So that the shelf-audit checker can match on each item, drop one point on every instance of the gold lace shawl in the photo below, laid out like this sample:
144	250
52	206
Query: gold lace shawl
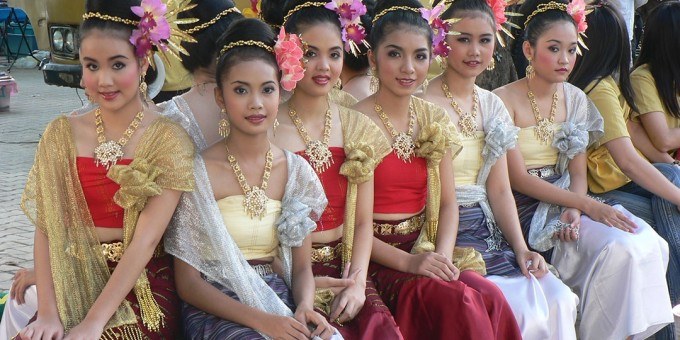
365	146
342	98
54	202
437	135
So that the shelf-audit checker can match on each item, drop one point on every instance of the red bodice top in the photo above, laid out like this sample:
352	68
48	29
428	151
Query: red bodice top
400	187
335	186
99	190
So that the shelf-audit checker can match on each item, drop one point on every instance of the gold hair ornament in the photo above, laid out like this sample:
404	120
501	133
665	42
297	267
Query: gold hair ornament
392	9
245	43
106	17
212	21
301	6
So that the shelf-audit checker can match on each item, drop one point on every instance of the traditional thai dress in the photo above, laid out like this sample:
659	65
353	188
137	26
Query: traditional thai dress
545	308
364	146
427	308
91	196
618	276
179	111
211	236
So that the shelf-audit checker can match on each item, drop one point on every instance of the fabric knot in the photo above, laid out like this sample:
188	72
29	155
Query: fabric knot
294	223
571	139
359	162
137	183
499	139
432	141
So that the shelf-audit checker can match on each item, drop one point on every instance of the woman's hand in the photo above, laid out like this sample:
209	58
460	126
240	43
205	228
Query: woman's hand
43	328
86	331
433	265
607	215
23	279
322	328
349	299
572	221
531	262
284	327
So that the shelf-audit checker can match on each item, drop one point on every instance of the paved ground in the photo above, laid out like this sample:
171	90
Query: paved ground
31	109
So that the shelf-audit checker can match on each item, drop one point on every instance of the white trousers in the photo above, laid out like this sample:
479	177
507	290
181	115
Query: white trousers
16	317
545	308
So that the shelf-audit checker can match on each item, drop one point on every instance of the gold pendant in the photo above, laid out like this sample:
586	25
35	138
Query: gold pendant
544	131
468	124
319	155
108	154
404	146
255	203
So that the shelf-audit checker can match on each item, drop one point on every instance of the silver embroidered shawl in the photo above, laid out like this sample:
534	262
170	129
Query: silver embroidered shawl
583	127
197	234
178	110
500	135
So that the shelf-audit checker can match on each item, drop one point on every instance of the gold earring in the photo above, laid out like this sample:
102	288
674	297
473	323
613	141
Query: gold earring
375	82
530	72
492	65
442	63
338	84
223	126
276	124
143	88
425	84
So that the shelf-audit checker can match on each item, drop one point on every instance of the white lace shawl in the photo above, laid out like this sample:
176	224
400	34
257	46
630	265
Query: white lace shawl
500	135
583	127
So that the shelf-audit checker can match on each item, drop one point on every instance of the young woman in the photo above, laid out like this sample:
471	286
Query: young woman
613	260
344	147
544	307
616	170
415	192
254	203
355	77
196	109
118	172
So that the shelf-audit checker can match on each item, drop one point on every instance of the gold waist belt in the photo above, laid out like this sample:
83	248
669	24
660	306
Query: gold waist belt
112	251
326	253
405	227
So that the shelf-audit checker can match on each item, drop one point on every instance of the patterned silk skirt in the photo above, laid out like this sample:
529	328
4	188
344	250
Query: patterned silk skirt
374	320
469	308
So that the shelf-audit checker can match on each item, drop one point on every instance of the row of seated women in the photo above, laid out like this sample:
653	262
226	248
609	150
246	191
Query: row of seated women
437	212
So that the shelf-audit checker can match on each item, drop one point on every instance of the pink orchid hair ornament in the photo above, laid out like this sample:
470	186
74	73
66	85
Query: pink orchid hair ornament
289	52
440	29
353	32
157	27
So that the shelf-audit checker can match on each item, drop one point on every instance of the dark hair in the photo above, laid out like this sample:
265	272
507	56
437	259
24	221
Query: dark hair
360	62
202	53
242	30
542	21
661	51
394	20
608	52
120	9
460	8
272	12
308	16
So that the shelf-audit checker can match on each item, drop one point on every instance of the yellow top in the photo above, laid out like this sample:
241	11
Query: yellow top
468	163
255	238
646	96
535	153
603	173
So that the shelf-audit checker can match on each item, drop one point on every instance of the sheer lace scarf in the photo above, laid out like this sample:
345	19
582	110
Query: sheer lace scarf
583	127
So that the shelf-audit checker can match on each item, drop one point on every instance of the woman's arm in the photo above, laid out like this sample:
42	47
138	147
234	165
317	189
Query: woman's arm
663	137
152	222
448	209
641	171
577	174
641	141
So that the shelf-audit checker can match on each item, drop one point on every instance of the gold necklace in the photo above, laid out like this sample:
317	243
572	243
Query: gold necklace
466	121
320	156
402	141
108	153
255	201
544	126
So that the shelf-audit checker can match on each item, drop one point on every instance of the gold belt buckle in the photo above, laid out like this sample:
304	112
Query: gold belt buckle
326	253
112	251
403	228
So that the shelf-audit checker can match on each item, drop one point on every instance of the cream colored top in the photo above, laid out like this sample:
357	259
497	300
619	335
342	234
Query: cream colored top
469	161
535	153
254	237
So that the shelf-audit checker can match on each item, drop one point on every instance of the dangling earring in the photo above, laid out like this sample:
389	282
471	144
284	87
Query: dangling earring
338	85
89	99
530	72
223	126
143	88
375	82
276	124
425	84
492	65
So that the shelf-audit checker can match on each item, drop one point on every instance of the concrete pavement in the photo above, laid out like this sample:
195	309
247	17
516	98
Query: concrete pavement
30	111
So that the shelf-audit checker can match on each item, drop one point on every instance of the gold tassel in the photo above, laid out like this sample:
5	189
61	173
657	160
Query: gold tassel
152	315
350	222
427	239
126	332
